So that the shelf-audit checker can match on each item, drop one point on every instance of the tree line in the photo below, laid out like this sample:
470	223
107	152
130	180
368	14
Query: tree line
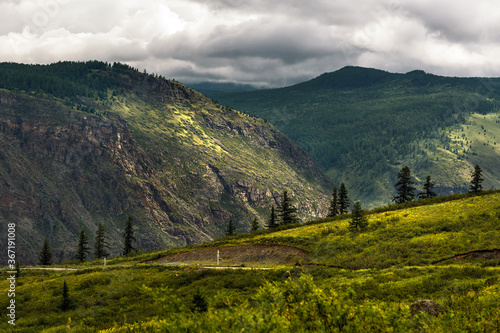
406	190
101	245
406	193
286	213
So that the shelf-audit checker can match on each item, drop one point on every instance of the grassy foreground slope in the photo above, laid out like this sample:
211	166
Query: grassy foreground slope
385	269
411	236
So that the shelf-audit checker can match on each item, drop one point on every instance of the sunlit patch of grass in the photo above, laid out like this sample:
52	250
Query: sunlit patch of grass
416	235
431	240
384	270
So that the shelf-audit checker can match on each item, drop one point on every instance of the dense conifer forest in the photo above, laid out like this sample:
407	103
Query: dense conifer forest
361	125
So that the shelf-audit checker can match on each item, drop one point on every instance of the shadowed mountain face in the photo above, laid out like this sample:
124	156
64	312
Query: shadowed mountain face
83	143
363	125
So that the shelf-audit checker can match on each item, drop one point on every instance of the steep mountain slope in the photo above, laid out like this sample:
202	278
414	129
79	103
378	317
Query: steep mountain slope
83	143
362	125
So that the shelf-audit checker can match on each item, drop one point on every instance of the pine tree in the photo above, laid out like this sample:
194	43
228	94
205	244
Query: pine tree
128	237
476	181
45	257
343	200
288	213
100	244
359	222
65	302
18	269
404	187
273	220
333	210
83	247
428	192
231	228
255	225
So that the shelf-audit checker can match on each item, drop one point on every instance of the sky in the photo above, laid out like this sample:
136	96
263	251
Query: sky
267	43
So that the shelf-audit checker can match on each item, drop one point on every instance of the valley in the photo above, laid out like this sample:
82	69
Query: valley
361	125
249	166
92	143
84	143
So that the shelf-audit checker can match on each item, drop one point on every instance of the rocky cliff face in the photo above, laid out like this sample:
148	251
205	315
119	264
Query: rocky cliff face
180	164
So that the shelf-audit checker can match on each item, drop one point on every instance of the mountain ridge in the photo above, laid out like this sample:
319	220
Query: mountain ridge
360	125
96	142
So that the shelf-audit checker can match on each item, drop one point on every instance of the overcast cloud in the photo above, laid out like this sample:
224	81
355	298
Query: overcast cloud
263	42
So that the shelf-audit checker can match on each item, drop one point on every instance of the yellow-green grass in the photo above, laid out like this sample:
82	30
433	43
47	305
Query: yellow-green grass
402	237
101	297
413	236
478	142
153	296
348	301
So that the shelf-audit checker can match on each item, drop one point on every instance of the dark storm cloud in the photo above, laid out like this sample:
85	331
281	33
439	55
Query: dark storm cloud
268	43
277	39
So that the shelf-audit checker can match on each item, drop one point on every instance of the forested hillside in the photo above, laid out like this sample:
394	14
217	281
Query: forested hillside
84	143
362	125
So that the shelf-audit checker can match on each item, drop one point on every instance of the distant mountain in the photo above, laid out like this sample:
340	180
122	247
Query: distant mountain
362	125
209	88
83	143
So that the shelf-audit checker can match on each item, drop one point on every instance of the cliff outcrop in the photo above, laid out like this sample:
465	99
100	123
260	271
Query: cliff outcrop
179	163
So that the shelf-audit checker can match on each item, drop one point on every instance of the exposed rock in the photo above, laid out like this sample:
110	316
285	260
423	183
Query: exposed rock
426	306
62	169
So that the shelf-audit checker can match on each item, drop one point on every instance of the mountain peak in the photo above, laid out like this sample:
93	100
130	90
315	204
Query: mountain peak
85	143
349	77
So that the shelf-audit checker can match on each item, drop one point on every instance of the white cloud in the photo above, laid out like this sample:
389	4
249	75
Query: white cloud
265	42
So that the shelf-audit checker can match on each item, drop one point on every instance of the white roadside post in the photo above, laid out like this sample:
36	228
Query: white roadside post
217	257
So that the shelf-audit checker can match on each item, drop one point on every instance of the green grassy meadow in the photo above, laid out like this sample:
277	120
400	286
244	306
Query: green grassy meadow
412	236
348	282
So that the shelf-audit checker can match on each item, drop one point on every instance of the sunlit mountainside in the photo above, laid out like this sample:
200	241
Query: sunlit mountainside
83	143
362	125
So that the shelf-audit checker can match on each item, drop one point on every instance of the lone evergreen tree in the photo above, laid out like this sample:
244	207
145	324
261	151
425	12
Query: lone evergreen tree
255	225
65	302
231	228
18	269
343	200
100	244
128	237
404	186
476	181
288	213
359	222
333	210
428	192
83	247
273	220
45	257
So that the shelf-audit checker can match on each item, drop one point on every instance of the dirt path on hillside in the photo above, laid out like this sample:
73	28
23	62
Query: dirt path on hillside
53	268
479	254
251	255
